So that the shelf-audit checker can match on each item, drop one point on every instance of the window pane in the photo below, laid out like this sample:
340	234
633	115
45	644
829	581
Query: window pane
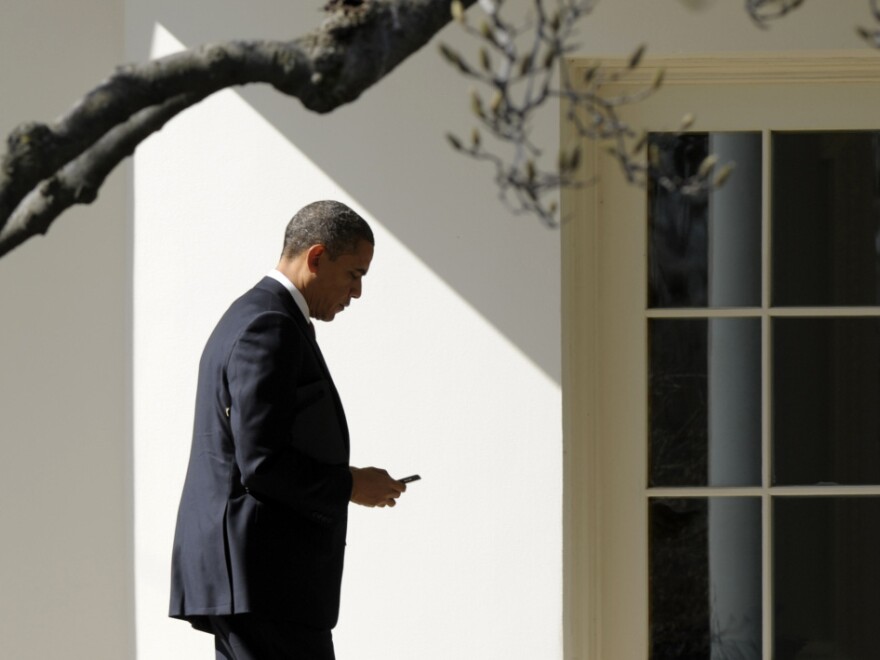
706	252
826	218
704	402
826	582
826	420
705	578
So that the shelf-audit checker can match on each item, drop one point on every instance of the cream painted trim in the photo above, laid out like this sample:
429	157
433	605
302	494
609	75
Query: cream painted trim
579	290
849	66
583	302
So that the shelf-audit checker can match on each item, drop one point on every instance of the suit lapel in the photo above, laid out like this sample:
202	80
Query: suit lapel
294	311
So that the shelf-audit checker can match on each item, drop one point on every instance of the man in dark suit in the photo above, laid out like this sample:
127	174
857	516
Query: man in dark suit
260	537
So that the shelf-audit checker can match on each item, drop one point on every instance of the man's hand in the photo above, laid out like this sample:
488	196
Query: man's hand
374	487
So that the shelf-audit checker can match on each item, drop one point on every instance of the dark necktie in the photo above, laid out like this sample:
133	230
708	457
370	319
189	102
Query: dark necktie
311	328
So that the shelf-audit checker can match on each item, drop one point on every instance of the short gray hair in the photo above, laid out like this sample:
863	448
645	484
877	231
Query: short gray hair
331	224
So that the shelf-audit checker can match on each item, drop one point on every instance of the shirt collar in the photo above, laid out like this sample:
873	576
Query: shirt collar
297	295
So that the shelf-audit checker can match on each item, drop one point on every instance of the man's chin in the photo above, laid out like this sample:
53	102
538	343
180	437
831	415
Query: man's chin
330	315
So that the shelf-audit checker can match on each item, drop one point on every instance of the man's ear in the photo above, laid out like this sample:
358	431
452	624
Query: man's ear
314	256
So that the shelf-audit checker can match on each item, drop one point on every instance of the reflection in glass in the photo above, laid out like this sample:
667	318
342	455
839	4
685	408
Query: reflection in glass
705	578
707	251
826	388
704	402
826	218
826	582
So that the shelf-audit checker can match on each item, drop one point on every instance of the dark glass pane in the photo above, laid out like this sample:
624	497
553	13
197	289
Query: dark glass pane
826	389
826	583
705	578
704	402
677	233
705	251
826	218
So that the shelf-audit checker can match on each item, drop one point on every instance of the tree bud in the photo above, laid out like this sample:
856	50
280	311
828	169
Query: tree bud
457	11
497	100
454	141
575	160
485	61
658	78
643	140
636	58
723	174
591	73
477	104
707	165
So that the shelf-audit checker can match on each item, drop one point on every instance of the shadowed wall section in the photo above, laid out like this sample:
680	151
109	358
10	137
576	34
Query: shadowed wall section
65	518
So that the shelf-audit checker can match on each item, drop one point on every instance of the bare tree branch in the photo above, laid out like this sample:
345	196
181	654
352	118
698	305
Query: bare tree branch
521	67
871	36
49	167
79	180
762	11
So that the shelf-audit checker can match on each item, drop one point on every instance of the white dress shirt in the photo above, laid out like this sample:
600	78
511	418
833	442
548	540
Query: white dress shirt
298	297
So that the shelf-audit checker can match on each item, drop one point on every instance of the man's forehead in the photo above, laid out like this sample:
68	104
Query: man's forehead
360	257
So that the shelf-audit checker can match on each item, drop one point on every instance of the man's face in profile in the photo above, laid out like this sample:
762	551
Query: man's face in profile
337	280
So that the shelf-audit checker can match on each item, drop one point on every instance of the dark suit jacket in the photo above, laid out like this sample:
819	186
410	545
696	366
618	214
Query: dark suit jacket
262	519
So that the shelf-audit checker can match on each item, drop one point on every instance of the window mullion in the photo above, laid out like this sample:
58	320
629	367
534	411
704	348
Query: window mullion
766	409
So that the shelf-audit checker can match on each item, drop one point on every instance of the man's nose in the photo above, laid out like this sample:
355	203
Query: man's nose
356	289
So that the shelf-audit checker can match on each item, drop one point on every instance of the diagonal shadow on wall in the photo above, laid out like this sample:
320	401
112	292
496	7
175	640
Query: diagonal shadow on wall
388	151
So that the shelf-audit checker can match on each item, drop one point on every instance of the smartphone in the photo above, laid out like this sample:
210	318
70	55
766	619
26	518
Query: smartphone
410	478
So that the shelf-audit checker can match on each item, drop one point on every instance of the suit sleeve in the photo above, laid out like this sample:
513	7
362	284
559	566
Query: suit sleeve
263	373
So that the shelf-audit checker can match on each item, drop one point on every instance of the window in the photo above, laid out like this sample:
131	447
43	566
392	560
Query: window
722	425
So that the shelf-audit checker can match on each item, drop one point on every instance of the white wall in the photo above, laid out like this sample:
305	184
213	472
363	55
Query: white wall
448	365
617	26
65	516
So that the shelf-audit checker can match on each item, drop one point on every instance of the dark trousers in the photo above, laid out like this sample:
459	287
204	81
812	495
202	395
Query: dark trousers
250	637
